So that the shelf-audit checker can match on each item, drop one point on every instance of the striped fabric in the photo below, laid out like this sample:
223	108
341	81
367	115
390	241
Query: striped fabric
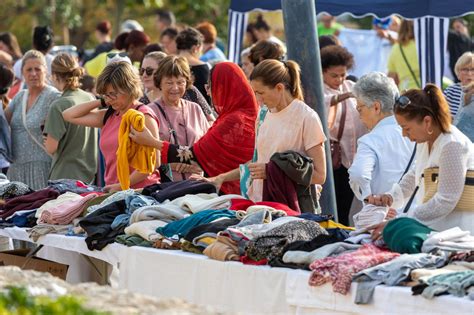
237	25
453	95
431	35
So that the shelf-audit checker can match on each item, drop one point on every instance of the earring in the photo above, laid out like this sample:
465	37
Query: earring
430	132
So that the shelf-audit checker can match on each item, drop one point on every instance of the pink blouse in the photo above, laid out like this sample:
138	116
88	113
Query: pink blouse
353	128
109	145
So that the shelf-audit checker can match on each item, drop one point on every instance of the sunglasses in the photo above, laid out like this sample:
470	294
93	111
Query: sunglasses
148	70
402	101
114	54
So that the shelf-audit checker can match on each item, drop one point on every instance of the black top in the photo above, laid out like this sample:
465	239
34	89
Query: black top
101	48
201	77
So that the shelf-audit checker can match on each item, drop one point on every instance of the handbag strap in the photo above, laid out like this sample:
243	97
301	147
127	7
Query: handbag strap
409	163
172	131
23	118
409	67
343	121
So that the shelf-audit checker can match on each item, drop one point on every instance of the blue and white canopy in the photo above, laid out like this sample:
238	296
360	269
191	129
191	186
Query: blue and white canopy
430	16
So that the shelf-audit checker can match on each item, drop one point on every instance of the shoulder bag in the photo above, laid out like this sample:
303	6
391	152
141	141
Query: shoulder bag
336	150
24	103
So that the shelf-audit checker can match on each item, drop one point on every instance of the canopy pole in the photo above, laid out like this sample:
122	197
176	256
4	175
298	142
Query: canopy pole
303	47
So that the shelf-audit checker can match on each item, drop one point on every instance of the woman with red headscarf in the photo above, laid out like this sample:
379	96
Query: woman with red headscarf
230	141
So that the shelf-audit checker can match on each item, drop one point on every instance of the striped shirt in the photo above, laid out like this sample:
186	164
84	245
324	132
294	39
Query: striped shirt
453	95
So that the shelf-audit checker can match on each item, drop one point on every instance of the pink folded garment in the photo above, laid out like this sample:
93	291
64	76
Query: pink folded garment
66	212
340	269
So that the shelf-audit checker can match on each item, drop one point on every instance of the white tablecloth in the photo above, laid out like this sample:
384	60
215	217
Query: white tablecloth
234	287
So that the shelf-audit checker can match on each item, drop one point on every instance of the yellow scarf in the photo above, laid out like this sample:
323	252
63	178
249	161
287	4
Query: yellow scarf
130	154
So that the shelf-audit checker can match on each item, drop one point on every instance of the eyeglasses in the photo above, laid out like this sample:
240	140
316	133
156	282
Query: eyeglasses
112	55
148	70
111	96
466	70
402	101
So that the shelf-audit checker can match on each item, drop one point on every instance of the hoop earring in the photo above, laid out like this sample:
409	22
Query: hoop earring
430	132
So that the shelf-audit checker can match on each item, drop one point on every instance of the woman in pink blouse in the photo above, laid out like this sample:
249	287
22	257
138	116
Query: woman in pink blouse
343	120
119	86
181	122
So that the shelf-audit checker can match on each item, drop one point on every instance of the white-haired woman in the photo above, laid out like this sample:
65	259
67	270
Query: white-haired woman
464	69
383	154
26	114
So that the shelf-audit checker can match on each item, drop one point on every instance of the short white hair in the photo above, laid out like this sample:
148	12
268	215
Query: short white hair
376	87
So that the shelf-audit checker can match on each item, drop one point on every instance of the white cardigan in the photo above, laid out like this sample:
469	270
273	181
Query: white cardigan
453	153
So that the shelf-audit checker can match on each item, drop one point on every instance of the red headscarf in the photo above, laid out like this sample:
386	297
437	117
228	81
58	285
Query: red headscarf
231	139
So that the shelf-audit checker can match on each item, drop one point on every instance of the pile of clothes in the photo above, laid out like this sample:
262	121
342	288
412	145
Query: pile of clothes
191	216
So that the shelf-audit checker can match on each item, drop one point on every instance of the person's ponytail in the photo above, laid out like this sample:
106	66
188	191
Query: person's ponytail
295	80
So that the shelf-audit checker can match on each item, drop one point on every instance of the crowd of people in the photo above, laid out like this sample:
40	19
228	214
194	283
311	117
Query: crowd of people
141	115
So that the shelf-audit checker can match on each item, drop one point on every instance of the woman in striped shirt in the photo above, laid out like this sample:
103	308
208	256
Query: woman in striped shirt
464	69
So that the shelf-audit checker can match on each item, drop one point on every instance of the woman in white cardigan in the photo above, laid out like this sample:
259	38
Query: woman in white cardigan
425	118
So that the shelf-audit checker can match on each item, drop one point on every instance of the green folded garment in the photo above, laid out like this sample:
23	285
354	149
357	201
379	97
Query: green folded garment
132	240
405	235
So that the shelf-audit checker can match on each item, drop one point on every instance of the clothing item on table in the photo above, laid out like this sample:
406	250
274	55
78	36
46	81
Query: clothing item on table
307	257
65	212
369	215
202	201
183	226
339	270
173	190
248	261
422	274
98	225
257	215
213	228
392	273
23	218
405	235
131	154
132	203
253	231
166	244
299	169
42	229
453	240
204	240
223	249
190	247
164	212
145	229
132	240
462	256
330	224
14	189
60	200
313	244
244	204
270	245
72	185
110	198
316	217
456	283
27	202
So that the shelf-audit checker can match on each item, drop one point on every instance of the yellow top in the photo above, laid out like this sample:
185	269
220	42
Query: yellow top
130	154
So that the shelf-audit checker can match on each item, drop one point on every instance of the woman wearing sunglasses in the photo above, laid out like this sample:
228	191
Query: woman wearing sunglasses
425	118
119	86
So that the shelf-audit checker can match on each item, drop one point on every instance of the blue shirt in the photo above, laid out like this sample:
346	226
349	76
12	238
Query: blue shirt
213	56
381	158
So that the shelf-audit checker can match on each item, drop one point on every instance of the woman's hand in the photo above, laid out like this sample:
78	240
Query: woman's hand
257	170
392	213
186	168
384	200
112	188
216	181
377	230
144	137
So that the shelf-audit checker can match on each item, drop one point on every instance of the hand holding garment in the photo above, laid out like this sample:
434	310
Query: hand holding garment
244	204
130	154
369	215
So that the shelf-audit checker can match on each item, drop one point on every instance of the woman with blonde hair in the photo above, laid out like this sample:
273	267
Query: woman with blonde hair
26	114
119	85
464	69
73	147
